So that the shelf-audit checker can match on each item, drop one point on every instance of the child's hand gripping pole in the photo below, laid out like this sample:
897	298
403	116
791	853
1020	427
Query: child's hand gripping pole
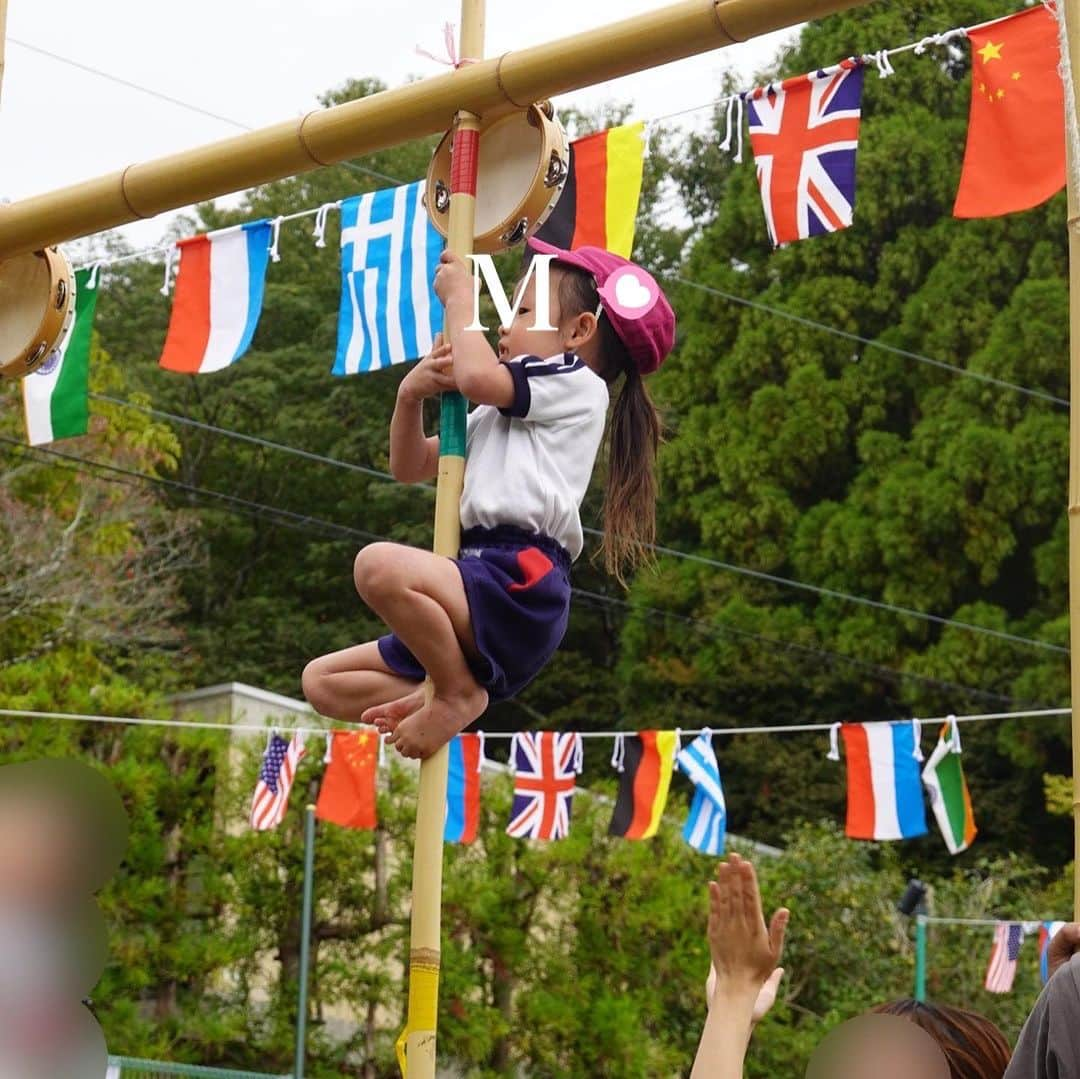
416	1045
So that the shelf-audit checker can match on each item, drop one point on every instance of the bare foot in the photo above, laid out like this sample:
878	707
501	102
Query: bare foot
387	716
433	725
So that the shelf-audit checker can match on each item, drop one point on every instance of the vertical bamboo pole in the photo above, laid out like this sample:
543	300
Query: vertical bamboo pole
3	40
417	1044
305	941
1072	25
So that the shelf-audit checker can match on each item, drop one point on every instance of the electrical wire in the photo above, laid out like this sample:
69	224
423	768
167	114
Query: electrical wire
345	531
597	533
309	523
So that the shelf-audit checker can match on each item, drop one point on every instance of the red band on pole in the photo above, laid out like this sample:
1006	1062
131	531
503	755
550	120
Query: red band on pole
464	159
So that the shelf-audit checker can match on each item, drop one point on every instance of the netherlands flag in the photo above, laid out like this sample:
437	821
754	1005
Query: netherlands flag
218	298
884	791
463	788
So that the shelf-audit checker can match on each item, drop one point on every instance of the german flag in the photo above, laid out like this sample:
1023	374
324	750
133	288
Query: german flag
599	204
646	764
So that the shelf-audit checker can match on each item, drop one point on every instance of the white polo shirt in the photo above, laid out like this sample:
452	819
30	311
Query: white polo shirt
529	465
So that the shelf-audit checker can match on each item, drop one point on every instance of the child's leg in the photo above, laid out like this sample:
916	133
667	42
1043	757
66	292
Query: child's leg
421	597
343	684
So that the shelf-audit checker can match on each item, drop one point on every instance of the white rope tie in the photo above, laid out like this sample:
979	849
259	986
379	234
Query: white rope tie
92	280
883	63
678	750
169	255
834	743
618	755
954	742
328	755
319	231
916	737
275	241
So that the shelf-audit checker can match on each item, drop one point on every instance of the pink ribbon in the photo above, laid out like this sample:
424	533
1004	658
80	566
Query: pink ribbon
451	50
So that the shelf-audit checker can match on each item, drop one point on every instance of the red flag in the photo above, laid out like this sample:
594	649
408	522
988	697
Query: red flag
1015	156
347	794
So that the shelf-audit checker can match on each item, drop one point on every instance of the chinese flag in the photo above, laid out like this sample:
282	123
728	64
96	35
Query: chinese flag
347	794
1015	156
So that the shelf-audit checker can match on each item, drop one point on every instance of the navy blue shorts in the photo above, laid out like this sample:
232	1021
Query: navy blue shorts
518	587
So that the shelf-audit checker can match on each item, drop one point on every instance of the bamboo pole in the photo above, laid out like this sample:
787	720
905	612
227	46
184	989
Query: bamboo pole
3	40
1072	26
428	107
419	1039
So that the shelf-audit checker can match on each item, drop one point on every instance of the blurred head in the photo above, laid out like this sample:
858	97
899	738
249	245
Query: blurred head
877	1047
973	1046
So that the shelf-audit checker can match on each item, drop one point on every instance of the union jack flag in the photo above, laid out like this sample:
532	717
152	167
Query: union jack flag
276	777
546	764
805	134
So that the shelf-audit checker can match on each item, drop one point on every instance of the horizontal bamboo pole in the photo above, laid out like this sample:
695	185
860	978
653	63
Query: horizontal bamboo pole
327	136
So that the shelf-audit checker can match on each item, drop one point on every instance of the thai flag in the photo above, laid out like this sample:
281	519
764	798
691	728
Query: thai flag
390	250
463	788
884	791
218	298
805	135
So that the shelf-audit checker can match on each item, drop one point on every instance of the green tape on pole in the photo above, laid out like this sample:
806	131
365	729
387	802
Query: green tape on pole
452	425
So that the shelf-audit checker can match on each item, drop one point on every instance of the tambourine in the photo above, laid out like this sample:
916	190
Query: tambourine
523	163
37	309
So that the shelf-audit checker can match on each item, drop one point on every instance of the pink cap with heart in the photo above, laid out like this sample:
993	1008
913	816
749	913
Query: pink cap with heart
635	304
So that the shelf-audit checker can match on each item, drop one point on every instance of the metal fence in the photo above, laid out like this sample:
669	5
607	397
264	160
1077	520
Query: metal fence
132	1068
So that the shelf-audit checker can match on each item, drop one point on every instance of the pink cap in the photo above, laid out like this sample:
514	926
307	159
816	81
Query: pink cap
634	303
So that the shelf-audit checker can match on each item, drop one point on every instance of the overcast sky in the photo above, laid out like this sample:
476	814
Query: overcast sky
261	61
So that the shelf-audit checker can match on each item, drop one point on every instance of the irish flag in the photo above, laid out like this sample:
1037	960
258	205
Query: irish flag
948	791
55	395
884	796
598	206
218	298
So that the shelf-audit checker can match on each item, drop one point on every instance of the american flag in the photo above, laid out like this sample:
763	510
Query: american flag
805	134
546	764
275	781
1008	936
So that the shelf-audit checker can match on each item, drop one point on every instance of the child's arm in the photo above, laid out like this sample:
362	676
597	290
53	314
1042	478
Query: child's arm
413	456
480	376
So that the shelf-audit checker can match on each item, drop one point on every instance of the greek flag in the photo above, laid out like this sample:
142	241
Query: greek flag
389	251
707	824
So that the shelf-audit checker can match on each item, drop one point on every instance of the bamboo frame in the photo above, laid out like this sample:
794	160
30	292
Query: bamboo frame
1072	24
423	108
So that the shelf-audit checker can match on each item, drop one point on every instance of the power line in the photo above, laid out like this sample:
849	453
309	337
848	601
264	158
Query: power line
360	169
302	523
674	552
868	342
714	630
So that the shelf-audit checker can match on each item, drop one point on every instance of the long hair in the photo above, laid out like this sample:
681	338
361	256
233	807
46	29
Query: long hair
973	1046
633	438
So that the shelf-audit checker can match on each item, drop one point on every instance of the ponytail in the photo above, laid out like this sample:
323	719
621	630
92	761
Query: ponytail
630	493
633	438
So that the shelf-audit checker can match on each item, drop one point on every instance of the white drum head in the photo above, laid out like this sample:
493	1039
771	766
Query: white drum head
25	292
510	154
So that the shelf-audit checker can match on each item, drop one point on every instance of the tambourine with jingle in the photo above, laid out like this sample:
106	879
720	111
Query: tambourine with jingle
37	308
523	162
